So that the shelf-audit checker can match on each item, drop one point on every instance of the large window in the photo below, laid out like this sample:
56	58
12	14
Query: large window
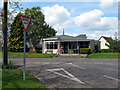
84	44
52	45
48	45
56	45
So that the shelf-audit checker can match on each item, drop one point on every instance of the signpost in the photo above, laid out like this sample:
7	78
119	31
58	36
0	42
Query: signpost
25	21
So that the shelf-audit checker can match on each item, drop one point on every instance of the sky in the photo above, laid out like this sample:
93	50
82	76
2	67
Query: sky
95	19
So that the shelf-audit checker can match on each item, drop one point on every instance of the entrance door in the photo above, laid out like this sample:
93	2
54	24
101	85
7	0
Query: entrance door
75	47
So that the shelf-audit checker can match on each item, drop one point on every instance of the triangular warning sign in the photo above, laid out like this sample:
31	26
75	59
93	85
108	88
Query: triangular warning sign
25	21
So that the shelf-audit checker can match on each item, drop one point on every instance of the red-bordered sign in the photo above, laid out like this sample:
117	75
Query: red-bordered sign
25	21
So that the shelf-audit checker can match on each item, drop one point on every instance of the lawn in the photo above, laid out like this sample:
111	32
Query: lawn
17	80
29	55
103	55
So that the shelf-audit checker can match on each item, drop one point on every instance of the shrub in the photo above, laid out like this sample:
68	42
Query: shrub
106	50
85	50
9	66
38	50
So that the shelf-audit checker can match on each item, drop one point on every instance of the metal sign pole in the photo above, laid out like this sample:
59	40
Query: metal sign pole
24	56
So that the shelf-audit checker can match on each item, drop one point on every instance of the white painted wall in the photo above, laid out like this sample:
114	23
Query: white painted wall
45	48
102	43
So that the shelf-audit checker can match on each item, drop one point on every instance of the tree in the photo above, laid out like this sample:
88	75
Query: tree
16	35
111	45
4	29
38	28
47	31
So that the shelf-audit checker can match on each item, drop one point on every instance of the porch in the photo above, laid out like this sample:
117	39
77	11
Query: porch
74	47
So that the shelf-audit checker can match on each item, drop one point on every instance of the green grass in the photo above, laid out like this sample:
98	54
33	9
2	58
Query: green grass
28	55
17	80
103	55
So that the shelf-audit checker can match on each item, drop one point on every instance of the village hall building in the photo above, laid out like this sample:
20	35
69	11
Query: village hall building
69	44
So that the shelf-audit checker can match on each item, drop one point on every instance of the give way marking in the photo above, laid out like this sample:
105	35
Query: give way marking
111	78
76	66
69	76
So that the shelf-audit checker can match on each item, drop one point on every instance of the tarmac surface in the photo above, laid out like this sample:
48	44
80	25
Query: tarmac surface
73	72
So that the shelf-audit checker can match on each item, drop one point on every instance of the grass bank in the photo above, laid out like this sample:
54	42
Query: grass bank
28	55
103	55
17	80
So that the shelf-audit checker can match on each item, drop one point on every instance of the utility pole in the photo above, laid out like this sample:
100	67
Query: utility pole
5	50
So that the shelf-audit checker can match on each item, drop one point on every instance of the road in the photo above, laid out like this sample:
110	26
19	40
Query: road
73	72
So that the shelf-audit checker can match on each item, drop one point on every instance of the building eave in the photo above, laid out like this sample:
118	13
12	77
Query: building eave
50	39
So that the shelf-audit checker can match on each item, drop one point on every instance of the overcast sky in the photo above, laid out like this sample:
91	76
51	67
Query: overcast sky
92	18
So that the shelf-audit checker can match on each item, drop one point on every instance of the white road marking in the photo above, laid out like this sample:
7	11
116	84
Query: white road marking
56	62
76	66
69	76
111	78
45	63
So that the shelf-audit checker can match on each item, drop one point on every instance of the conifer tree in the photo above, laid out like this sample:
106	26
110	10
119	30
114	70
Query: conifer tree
15	42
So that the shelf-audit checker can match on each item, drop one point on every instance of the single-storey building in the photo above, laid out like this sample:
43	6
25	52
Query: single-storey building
103	41
69	44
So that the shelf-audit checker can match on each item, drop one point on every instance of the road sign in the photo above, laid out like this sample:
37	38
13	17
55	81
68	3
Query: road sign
25	21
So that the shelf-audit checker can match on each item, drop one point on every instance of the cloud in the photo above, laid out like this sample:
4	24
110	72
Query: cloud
57	16
107	4
93	20
97	34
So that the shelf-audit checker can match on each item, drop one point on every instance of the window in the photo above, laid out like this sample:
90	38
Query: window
69	45
84	44
48	45
51	45
56	45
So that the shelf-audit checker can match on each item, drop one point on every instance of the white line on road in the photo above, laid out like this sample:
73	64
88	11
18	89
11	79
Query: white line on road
69	76
76	66
111	78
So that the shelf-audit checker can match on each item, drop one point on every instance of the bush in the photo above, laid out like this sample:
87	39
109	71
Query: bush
85	50
9	66
106	50
38	50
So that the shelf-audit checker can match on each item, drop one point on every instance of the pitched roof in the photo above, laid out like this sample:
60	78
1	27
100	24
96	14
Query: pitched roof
69	38
106	38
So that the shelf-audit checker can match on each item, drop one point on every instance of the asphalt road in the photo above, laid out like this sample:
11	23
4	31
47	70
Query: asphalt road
73	72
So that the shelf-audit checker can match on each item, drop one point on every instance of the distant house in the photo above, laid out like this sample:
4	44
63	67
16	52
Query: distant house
69	44
103	41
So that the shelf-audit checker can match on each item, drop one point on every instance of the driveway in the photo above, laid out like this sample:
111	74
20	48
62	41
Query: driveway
73	72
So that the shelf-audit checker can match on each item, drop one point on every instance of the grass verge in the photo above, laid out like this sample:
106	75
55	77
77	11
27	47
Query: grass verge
17	80
28	55
103	55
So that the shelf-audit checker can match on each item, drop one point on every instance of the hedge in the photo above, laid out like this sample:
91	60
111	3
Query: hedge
85	50
108	50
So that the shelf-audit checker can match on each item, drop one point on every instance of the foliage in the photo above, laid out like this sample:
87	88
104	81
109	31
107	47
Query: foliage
16	81
9	66
38	50
114	45
106	50
111	45
85	50
38	28
16	35
103	55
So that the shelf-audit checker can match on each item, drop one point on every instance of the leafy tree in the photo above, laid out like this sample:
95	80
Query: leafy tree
48	31
112	45
16	35
38	28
